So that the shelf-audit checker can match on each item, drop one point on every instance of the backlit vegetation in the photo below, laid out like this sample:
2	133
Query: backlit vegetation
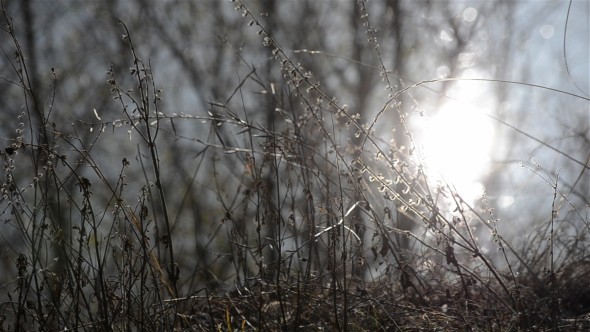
295	212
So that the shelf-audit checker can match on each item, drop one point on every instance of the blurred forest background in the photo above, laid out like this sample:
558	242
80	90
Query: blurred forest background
280	119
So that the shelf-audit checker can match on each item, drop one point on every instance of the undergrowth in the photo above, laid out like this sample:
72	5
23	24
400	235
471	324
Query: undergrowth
304	219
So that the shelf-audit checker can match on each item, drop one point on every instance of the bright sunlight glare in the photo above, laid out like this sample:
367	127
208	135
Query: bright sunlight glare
458	140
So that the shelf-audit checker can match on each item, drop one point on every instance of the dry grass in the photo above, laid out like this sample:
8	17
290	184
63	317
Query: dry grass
307	231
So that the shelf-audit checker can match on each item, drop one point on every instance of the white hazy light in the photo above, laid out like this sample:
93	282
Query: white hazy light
470	14
443	71
505	201
445	36
547	31
457	143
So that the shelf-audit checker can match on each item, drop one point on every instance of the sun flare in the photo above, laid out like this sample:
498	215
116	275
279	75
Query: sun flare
457	142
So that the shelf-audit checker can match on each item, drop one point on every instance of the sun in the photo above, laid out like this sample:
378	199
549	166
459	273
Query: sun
457	140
